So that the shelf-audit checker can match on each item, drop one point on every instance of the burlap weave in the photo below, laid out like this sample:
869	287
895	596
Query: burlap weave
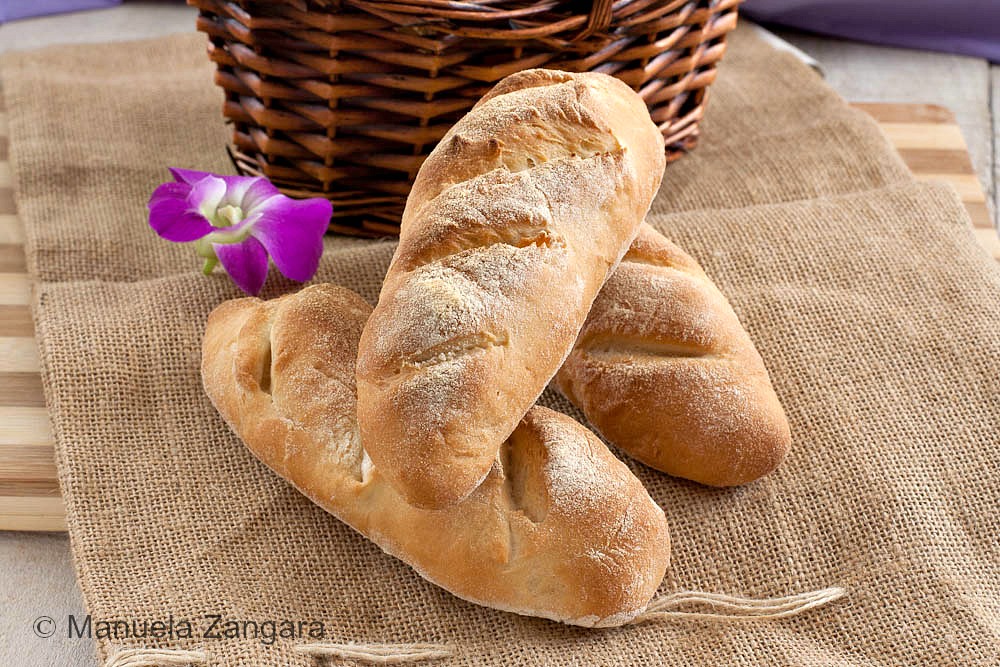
875	310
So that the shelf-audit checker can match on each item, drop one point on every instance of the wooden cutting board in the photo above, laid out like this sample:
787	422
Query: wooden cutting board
926	136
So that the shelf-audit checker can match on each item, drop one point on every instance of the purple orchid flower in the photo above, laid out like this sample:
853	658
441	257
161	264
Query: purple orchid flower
238	221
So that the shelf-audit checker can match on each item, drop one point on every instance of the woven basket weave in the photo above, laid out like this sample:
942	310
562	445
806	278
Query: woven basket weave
345	98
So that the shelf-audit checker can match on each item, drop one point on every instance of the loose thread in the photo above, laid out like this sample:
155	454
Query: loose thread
377	654
732	607
156	657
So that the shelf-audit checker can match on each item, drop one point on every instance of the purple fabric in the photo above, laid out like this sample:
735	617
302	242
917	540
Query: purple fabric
11	10
968	27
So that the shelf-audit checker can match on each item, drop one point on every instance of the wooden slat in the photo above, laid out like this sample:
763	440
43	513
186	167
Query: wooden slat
32	464
21	390
905	113
47	485
29	492
18	355
11	230
25	426
15	322
32	513
15	289
7	206
922	135
12	258
937	161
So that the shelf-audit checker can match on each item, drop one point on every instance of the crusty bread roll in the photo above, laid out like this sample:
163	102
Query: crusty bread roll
559	528
513	224
664	370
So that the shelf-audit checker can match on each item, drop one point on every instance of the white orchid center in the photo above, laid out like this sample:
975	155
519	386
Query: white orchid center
228	215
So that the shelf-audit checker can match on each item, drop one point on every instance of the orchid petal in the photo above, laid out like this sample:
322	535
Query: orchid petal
236	186
245	262
257	192
169	190
206	195
189	176
292	231
171	217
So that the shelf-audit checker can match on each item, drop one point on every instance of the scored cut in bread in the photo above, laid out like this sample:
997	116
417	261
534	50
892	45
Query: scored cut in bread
665	371
559	528
514	222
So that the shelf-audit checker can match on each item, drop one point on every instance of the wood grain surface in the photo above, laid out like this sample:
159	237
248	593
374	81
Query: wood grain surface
926	136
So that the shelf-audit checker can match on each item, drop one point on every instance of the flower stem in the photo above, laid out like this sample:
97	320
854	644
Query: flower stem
209	264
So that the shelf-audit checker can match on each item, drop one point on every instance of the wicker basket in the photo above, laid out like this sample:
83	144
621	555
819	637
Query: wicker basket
345	98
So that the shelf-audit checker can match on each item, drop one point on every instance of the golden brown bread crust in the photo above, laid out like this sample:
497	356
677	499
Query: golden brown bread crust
664	370
559	528
512	226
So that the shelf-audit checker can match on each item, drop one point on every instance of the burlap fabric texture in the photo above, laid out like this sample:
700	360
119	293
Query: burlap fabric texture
865	292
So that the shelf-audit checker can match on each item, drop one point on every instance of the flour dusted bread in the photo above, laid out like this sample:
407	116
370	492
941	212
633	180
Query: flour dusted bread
559	528
664	370
512	226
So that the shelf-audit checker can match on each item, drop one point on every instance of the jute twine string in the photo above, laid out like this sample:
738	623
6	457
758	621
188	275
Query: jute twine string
725	608
156	657
732	607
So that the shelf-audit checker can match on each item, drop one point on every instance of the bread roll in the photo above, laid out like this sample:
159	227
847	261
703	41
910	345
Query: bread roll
664	370
559	528
513	224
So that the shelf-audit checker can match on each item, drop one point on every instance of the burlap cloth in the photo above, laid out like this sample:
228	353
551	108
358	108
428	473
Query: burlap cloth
872	305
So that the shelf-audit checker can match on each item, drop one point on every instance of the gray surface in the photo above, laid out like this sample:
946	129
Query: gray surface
36	580
36	575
